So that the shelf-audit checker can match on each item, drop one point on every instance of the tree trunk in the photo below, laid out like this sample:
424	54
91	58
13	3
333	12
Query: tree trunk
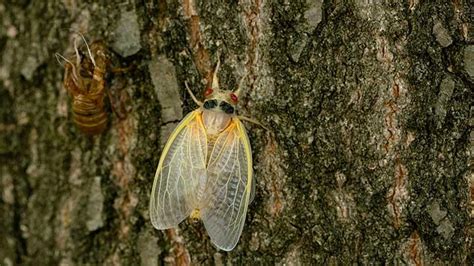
367	158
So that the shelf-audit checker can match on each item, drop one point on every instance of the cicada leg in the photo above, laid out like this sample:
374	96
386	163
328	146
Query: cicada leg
192	95
253	121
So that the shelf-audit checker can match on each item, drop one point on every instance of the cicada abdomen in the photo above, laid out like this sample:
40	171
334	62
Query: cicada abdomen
84	79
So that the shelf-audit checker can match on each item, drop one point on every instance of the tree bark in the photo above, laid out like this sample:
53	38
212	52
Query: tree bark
367	159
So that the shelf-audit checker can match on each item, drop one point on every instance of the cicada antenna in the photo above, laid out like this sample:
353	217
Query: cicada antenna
192	94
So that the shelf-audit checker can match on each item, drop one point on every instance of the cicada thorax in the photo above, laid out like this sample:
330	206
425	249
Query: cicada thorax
215	121
85	82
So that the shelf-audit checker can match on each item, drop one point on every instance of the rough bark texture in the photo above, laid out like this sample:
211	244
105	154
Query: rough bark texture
367	160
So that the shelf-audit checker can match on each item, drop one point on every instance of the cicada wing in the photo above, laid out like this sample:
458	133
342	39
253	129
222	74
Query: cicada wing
229	186
182	165
252	189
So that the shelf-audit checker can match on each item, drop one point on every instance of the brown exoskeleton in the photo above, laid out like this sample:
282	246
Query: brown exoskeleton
85	80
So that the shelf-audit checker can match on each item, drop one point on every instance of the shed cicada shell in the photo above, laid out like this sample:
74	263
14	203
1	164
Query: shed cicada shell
85	80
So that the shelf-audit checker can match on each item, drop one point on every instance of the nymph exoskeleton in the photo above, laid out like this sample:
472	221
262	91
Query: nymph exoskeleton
85	82
87	79
205	170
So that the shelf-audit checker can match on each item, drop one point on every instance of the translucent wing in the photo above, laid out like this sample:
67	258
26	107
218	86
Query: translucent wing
180	171
229	186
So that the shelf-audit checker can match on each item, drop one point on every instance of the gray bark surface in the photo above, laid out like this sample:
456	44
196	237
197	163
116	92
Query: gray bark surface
368	156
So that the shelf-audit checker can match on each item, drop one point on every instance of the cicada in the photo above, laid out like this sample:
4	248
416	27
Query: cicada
85	82
205	170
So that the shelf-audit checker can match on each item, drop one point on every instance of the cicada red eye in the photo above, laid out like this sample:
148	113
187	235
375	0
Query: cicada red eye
234	98
208	92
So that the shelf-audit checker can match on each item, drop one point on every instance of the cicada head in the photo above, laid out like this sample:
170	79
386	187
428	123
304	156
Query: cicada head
219	105
218	100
